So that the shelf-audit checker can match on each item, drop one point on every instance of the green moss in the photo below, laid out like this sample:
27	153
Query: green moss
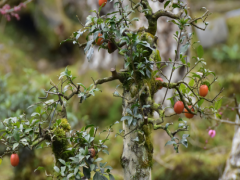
60	143
65	125
147	129
151	82
145	36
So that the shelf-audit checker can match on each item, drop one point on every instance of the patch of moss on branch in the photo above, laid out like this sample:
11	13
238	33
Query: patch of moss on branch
60	142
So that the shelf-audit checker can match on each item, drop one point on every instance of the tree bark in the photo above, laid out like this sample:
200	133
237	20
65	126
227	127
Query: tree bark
232	168
136	159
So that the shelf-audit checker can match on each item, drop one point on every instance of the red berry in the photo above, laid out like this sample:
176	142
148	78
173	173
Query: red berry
159	79
100	2
99	41
178	107
14	159
187	114
203	90
92	152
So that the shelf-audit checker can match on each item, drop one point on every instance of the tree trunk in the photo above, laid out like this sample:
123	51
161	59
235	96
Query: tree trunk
232	168
136	159
137	156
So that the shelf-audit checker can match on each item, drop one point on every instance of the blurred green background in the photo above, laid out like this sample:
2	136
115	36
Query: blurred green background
31	55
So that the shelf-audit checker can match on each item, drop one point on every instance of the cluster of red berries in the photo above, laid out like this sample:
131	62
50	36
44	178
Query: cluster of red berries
99	41
179	106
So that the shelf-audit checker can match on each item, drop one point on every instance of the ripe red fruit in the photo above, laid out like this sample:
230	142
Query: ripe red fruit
92	152
111	47
14	159
187	114
100	2
100	40
159	79
203	90
178	107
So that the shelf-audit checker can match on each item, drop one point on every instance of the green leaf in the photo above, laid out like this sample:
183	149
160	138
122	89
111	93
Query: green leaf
92	167
88	126
191	82
16	136
70	175
200	51
86	172
105	151
39	168
200	102
219	116
28	130
56	169
111	177
63	168
91	132
98	159
172	101
129	118
62	161
184	136
82	85
218	104
65	41
15	145
166	4
184	142
97	176
170	142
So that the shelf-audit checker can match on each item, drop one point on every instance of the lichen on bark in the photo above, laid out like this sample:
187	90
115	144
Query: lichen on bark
60	142
137	156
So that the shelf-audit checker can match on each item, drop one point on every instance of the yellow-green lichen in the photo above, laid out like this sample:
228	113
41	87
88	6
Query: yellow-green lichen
65	125
60	143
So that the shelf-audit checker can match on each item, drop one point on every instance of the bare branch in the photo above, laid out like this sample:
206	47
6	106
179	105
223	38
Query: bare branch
163	12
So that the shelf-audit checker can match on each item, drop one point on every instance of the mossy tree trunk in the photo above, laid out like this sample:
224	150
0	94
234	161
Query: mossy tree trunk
137	153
